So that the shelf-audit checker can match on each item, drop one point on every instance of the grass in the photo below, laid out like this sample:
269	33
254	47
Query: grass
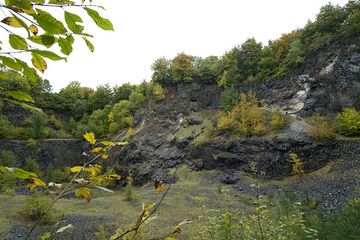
184	201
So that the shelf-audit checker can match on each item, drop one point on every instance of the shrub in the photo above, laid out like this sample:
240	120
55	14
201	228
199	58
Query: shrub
297	164
55	175
7	158
55	122
7	130
246	117
348	122
35	126
277	120
265	223
228	99
321	128
130	133
158	92
31	143
225	122
35	206
32	166
344	225
7	182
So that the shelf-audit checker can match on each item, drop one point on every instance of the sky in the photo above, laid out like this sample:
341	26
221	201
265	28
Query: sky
146	30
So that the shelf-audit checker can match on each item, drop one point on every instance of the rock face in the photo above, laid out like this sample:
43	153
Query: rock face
326	82
60	153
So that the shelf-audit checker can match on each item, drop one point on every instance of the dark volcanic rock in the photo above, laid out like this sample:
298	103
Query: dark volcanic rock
59	153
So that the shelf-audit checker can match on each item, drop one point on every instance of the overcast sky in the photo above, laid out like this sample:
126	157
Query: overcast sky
148	29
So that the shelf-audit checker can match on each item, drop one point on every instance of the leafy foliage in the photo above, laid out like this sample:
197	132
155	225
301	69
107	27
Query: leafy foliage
348	122
44	30
321	128
246	118
277	120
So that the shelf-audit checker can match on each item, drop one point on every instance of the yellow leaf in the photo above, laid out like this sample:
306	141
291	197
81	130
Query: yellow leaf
36	183
34	29
159	186
83	193
90	137
93	170
104	157
11	21
97	150
76	169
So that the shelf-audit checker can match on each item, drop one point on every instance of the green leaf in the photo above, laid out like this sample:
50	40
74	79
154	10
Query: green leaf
103	23
4	76
66	44
24	4
49	23
108	143
21	96
23	105
22	174
48	54
38	62
46	40
29	72
11	63
45	236
89	44
71	19
17	42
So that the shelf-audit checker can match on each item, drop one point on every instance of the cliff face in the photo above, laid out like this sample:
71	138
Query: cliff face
176	130
60	153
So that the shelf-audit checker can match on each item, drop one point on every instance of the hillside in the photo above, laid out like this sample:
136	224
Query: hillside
265	133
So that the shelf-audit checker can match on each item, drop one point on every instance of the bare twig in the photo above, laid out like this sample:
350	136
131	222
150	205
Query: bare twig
19	14
66	5
136	228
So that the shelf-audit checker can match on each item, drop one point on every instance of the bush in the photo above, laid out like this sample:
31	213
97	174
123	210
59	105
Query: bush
321	128
32	166
246	118
228	99
269	224
7	130
7	182
7	158
55	175
277	120
35	206
55	122
158	92
348	122
344	225
35	126
130	133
